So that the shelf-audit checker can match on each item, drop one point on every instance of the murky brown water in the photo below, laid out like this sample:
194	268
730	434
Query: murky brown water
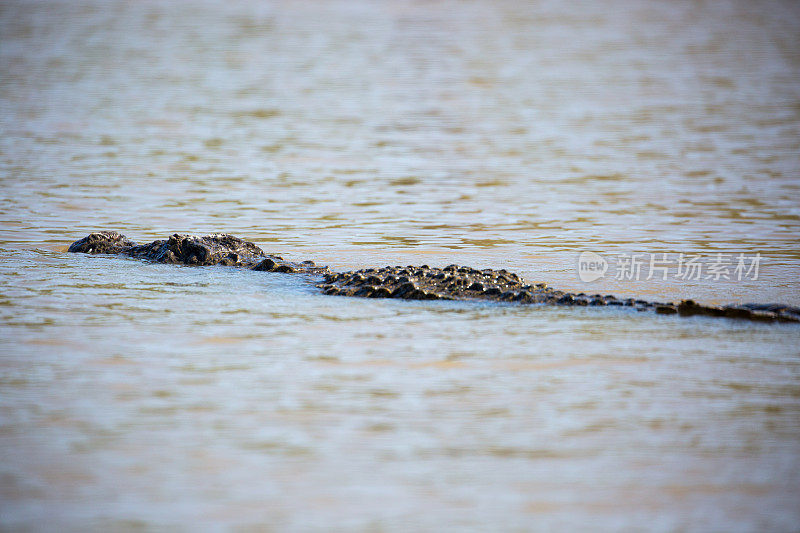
496	134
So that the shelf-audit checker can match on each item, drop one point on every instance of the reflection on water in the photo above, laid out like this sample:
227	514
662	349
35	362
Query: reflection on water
207	395
354	133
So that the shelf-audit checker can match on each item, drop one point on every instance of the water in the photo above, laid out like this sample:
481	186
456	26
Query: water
495	134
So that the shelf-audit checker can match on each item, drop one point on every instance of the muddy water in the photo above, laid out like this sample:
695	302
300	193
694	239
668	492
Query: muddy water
494	134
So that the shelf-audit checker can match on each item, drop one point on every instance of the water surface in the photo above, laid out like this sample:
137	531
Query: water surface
495	134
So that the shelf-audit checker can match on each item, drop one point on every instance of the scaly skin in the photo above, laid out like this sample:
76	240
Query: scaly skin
411	283
215	249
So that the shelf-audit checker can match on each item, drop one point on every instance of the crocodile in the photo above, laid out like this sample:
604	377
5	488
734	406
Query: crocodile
453	282
205	250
